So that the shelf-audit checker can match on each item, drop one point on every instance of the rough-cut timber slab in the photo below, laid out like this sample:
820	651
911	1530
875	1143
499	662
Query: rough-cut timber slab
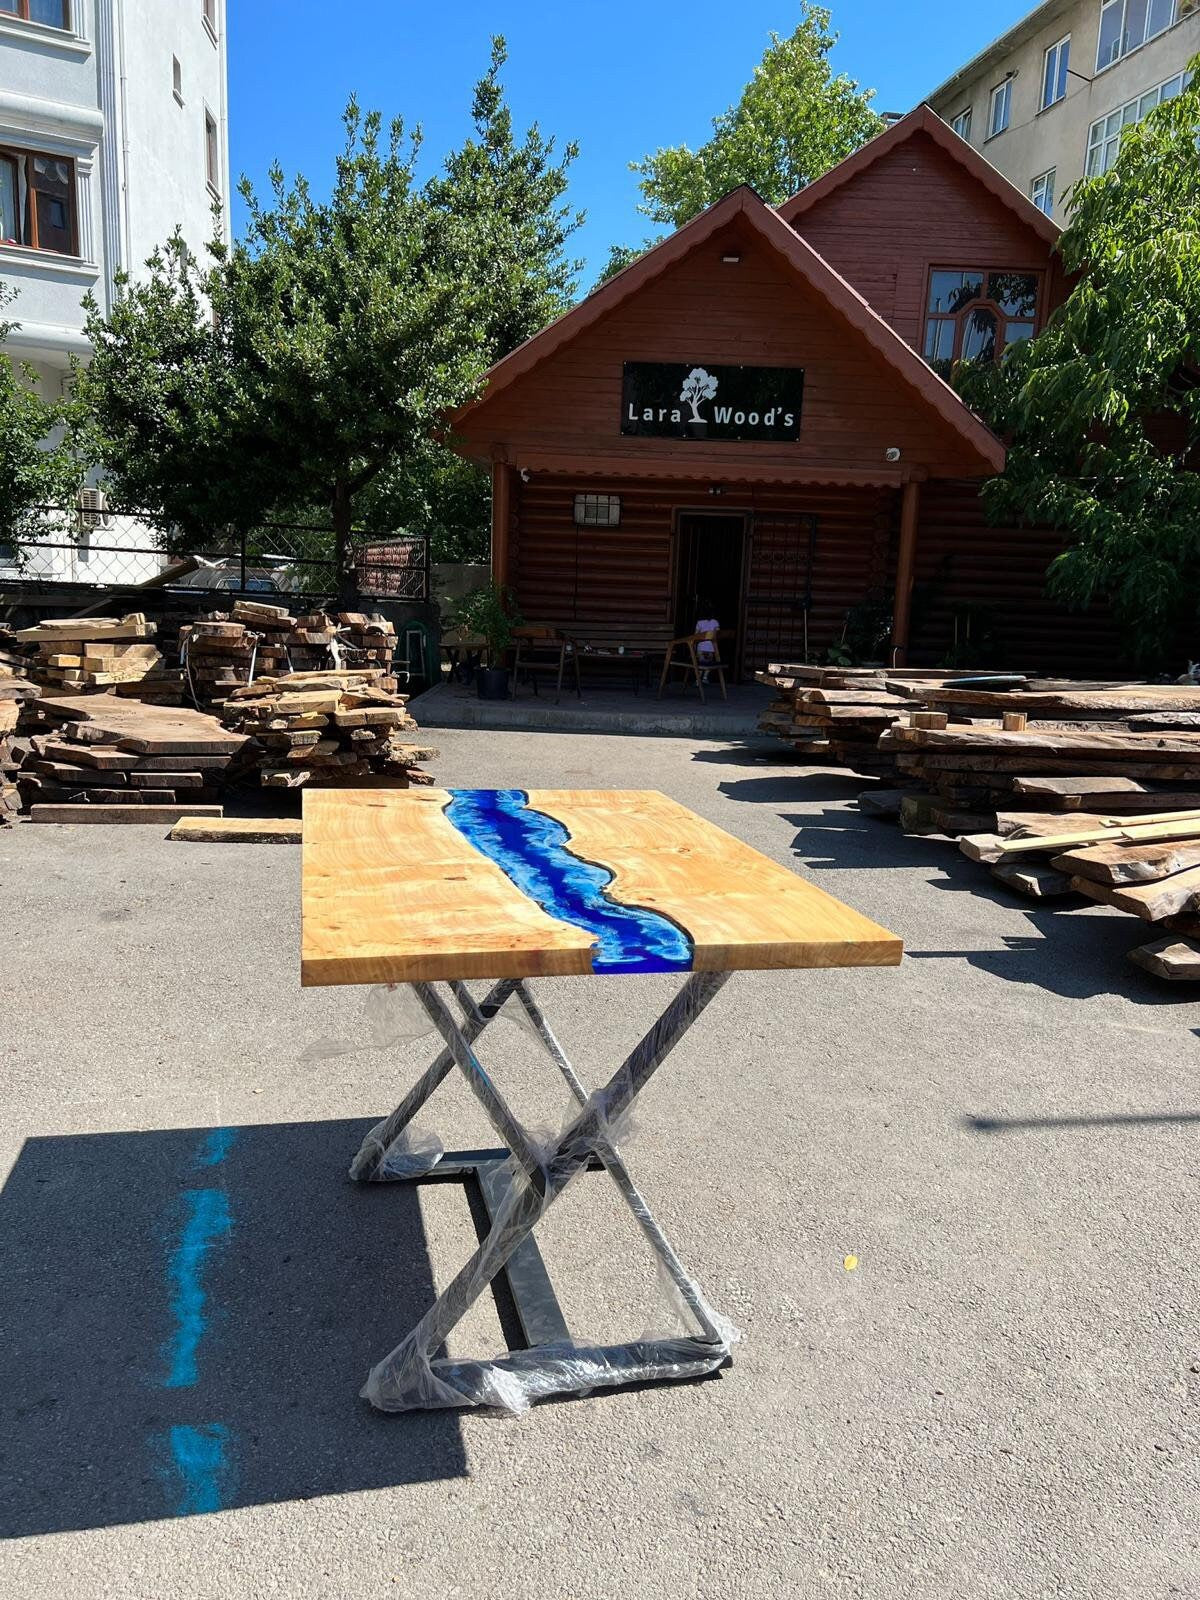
1040	883
393	891
983	847
1116	702
1177	960
1178	747
238	830
1169	897
1119	864
124	813
1072	788
148	729
880	802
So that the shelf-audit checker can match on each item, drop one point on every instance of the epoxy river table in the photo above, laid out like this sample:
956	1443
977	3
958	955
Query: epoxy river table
421	886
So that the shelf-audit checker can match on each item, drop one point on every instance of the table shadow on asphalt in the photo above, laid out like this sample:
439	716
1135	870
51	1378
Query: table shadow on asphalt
309	1282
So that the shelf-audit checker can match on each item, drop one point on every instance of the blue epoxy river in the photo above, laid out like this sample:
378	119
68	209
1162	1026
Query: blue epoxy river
532	850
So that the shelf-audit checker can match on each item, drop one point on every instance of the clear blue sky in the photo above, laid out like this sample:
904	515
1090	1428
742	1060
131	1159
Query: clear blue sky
620	77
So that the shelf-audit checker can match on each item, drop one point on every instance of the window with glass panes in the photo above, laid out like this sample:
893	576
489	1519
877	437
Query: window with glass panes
962	124
51	13
1104	137
1001	108
1125	25
974	314
37	201
1054	72
1041	192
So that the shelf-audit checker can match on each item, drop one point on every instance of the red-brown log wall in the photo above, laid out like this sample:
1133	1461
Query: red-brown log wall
963	561
608	578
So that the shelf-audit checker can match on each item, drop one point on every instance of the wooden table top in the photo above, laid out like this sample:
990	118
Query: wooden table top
409	885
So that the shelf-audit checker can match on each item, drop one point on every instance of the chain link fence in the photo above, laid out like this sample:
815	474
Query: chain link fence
123	550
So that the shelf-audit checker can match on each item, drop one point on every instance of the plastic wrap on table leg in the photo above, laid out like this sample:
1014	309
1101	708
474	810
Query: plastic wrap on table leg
391	1014
410	1155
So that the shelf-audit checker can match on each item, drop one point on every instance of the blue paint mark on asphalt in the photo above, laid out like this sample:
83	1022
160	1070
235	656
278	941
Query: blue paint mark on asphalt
216	1147
531	849
199	1459
207	1220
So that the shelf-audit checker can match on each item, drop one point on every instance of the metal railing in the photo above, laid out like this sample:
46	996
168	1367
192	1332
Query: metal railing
125	550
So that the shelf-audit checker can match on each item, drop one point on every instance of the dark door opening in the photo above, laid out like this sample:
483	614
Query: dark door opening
709	576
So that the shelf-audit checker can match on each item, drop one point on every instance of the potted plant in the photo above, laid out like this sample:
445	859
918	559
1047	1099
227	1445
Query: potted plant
489	614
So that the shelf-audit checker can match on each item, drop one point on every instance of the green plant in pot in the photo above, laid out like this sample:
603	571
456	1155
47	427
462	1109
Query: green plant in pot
491	614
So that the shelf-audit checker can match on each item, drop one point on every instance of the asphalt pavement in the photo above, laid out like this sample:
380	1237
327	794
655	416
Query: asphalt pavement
952	1208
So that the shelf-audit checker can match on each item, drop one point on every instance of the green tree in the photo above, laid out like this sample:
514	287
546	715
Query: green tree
1102	410
796	118
504	199
296	368
38	464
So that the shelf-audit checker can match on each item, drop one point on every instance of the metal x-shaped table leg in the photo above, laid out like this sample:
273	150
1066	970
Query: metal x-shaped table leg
411	1377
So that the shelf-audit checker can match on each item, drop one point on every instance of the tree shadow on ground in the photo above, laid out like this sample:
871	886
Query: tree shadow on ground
191	1315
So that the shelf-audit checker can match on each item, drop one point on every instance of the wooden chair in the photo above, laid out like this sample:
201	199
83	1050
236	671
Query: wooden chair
694	663
542	649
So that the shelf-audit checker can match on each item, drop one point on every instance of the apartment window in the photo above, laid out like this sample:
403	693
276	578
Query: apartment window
975	314
212	153
177	79
962	124
210	16
1104	136
51	13
37	201
1001	108
1054	72
1041	192
1125	25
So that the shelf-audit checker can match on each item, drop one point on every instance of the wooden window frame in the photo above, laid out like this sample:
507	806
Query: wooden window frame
28	221
1003	318
21	14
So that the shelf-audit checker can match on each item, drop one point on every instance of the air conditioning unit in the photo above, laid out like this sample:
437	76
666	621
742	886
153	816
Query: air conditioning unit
93	509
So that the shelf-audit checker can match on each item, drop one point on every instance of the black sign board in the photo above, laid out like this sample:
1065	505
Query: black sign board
681	400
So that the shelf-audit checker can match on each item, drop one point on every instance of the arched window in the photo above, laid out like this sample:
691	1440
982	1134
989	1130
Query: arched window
974	314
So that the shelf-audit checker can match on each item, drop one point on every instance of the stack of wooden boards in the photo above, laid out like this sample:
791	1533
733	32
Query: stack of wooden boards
75	653
1083	791
97	758
328	728
227	650
14	692
839	713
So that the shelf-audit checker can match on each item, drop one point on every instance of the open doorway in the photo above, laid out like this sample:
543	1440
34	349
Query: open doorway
708	575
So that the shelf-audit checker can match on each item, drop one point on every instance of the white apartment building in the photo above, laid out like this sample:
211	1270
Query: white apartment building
1046	102
113	132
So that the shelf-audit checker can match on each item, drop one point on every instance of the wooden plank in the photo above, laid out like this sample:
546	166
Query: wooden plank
238	830
394	892
134	813
1118	864
1156	834
1069	788
1148	697
1177	960
1168	897
1028	877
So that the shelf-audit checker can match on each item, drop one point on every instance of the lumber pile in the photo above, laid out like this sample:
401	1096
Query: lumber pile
103	758
328	728
90	652
228	650
840	713
14	693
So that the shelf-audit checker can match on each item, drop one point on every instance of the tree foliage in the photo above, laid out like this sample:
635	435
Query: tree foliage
313	364
796	118
38	463
1102	410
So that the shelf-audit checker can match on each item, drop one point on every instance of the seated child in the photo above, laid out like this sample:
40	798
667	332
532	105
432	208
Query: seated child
706	649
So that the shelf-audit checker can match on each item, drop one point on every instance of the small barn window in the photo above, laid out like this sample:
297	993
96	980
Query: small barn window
598	510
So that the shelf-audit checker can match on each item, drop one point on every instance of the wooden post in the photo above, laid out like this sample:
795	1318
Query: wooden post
910	510
502	486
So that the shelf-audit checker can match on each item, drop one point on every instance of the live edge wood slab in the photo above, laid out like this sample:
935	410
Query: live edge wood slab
422	885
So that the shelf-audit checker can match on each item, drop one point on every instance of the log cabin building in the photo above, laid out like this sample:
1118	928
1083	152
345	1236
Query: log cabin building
751	415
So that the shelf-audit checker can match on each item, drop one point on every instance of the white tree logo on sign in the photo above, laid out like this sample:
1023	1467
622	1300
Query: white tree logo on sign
698	385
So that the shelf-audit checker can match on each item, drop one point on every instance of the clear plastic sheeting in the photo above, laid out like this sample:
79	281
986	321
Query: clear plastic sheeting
391	1015
409	1378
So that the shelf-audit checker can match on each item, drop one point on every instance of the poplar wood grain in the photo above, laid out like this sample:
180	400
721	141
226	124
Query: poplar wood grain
393	892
